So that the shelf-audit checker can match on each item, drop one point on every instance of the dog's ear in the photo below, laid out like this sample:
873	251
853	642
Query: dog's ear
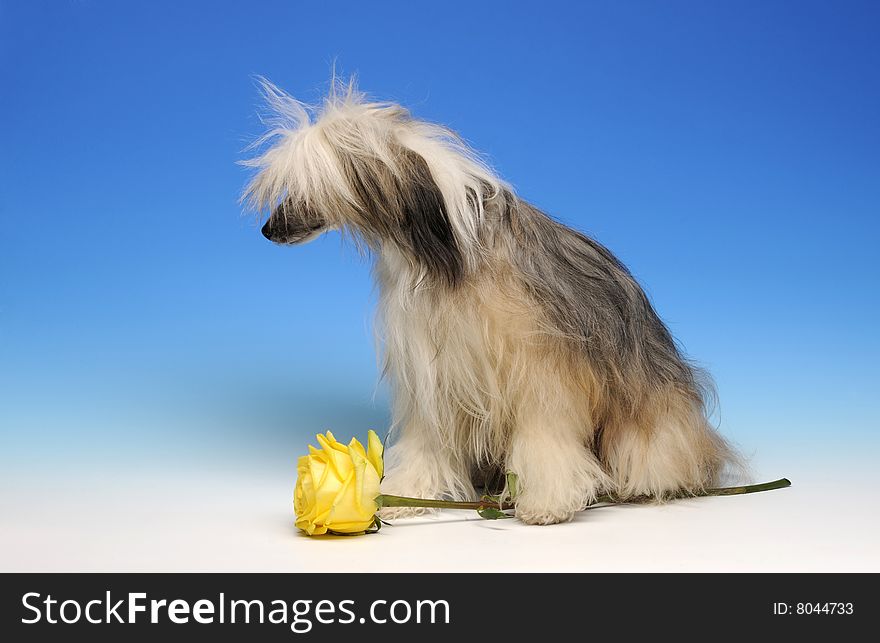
426	227
404	205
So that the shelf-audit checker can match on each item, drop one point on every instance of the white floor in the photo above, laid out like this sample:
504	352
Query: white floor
143	520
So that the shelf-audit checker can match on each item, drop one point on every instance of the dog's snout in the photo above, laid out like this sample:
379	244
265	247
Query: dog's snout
267	230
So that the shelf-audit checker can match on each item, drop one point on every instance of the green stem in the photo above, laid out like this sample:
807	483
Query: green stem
782	483
403	501
385	500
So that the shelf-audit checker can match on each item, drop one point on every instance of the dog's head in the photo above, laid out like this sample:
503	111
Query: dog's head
375	171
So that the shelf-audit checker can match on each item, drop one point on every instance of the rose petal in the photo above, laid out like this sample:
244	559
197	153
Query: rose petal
375	451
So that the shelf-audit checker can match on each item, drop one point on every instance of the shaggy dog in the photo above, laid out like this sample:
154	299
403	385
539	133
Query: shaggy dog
512	342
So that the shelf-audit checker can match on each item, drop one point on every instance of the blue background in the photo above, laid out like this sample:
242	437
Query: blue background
728	152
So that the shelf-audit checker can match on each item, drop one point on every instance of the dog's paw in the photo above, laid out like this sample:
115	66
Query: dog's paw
396	513
542	516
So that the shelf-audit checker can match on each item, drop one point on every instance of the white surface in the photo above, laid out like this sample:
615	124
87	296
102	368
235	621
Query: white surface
142	521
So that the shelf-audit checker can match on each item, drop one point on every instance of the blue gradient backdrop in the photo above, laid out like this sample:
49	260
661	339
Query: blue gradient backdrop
728	152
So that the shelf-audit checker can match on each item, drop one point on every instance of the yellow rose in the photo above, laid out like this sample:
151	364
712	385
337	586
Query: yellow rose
336	486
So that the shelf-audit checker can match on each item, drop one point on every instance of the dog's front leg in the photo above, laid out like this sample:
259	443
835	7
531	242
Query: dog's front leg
557	473
418	466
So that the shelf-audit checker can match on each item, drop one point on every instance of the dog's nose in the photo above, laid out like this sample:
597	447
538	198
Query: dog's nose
266	230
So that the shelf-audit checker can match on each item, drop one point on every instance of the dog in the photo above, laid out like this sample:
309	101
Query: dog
512	342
